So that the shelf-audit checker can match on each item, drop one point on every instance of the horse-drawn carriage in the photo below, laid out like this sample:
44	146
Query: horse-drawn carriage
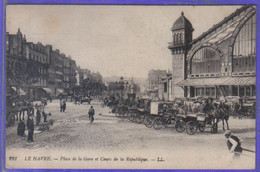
85	99
161	115
241	107
249	107
194	122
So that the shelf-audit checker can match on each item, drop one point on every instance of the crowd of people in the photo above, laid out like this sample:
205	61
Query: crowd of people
28	108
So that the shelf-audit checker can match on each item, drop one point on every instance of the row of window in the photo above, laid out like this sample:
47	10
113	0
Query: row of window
206	91
38	58
244	64
178	38
17	66
42	70
242	91
39	49
207	60
212	66
41	82
245	43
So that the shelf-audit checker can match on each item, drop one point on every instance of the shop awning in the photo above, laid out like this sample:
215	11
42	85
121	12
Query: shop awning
47	90
59	91
14	88
218	81
19	91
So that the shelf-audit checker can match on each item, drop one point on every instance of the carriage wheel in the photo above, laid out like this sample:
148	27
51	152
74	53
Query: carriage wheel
167	122
122	114
157	124
131	117
148	122
179	126
191	128
10	120
139	119
202	128
142	118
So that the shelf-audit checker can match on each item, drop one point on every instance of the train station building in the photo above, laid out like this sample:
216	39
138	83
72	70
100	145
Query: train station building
220	62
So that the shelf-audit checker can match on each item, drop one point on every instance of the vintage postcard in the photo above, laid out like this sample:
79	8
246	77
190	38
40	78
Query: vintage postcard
130	87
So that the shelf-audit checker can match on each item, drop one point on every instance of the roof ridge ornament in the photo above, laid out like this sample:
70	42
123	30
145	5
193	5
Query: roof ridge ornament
182	13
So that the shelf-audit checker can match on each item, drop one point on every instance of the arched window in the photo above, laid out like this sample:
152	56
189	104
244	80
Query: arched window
205	60
174	38
181	38
177	38
244	50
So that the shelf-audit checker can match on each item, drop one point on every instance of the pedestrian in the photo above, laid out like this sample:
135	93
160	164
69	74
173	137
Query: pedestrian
44	116
38	117
30	127
21	128
233	144
91	114
61	105
64	105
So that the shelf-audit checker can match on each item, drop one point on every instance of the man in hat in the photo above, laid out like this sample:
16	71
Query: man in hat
91	114
233	144
30	127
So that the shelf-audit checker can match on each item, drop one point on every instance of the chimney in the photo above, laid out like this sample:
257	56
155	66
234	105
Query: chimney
57	51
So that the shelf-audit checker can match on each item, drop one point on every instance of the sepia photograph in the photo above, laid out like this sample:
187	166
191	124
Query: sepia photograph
130	87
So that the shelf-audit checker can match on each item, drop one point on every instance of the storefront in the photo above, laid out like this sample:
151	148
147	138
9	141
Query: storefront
217	87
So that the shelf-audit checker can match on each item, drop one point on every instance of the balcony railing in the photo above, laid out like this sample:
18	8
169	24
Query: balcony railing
175	44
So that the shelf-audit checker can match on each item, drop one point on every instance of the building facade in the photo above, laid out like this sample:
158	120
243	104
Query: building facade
165	88
38	59
220	62
37	69
154	80
16	62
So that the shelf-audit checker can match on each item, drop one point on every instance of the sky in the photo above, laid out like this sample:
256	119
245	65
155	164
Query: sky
113	40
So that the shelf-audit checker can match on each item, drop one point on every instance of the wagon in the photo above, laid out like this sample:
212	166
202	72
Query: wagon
120	110
249	107
160	115
136	114
85	99
194	122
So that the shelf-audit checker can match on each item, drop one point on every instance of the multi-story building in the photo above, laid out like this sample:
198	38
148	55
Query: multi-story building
56	73
154	80
165	88
118	89
73	80
86	73
220	62
155	77
95	77
16	62
79	76
66	71
38	57
37	69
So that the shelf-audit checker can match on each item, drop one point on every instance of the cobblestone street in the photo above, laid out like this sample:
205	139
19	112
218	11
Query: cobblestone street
109	136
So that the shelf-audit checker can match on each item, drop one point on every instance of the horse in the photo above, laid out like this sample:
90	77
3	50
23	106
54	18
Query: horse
220	112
